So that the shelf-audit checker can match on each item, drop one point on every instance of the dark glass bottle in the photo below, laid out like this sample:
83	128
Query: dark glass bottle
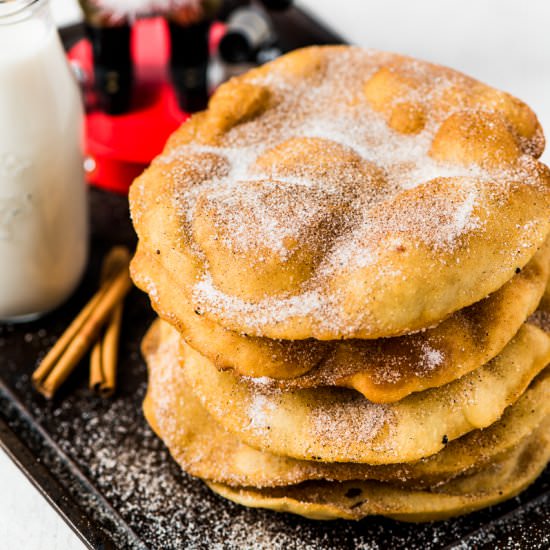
113	70
189	64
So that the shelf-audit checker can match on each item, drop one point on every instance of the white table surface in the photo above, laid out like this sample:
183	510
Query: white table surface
505	43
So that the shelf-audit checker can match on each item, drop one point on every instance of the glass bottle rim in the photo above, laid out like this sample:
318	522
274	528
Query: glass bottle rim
14	11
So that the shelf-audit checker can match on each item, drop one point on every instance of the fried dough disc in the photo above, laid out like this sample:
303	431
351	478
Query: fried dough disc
340	425
204	449
497	482
343	193
384	370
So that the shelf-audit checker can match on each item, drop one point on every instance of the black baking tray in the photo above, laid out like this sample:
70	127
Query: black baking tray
99	464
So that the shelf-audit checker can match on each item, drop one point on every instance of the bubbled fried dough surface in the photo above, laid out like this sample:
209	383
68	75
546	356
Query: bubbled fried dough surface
499	481
383	370
339	425
204	449
341	193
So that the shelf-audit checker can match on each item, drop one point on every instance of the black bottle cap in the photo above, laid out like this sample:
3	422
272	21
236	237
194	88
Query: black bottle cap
189	64
235	48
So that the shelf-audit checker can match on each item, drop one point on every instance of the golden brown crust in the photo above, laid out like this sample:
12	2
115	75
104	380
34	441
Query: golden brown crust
501	480
204	449
383	370
339	220
338	425
410	193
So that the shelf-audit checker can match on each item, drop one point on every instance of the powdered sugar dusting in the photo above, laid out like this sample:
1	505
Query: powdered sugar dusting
273	203
150	287
259	411
334	417
206	292
431	358
350	417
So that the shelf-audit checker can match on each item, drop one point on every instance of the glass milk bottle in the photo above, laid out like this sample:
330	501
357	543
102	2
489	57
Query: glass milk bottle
43	207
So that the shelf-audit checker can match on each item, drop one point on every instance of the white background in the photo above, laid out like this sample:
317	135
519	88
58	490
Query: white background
505	43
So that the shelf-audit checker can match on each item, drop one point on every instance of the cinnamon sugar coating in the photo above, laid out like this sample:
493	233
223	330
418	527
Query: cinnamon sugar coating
346	250
205	449
383	370
339	425
343	193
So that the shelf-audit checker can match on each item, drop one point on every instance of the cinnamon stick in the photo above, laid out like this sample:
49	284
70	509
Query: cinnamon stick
109	353
64	340
96	375
103	358
82	332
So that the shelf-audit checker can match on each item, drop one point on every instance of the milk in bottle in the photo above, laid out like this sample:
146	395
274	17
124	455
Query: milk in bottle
43	212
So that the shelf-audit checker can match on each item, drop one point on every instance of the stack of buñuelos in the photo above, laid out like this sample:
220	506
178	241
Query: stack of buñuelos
346	250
